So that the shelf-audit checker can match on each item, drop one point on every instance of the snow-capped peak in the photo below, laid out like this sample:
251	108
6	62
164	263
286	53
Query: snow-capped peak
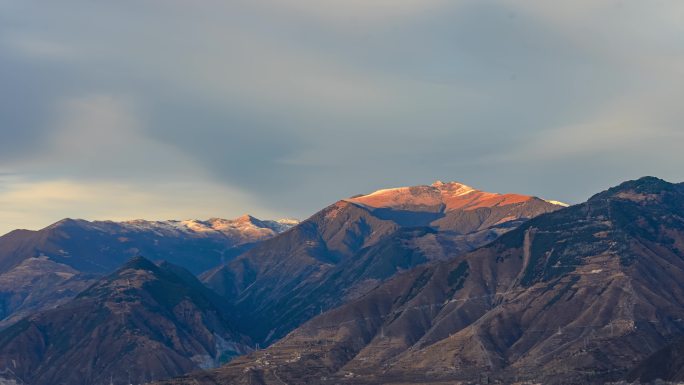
288	222
439	196
243	229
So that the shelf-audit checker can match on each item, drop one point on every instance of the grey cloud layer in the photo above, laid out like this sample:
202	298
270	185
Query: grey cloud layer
297	103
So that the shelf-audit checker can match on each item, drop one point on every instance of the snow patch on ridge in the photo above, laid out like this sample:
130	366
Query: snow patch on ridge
245	223
557	203
453	188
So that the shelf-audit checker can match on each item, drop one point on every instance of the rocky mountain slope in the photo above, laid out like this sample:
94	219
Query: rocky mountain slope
580	295
36	284
667	364
351	246
142	322
41	269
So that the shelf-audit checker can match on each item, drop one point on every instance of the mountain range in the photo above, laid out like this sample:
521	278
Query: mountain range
586	294
41	269
102	246
432	284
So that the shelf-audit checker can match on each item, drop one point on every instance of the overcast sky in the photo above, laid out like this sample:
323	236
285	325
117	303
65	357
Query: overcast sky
166	109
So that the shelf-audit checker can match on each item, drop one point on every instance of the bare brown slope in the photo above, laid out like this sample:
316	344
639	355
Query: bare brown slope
36	284
667	364
575	296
